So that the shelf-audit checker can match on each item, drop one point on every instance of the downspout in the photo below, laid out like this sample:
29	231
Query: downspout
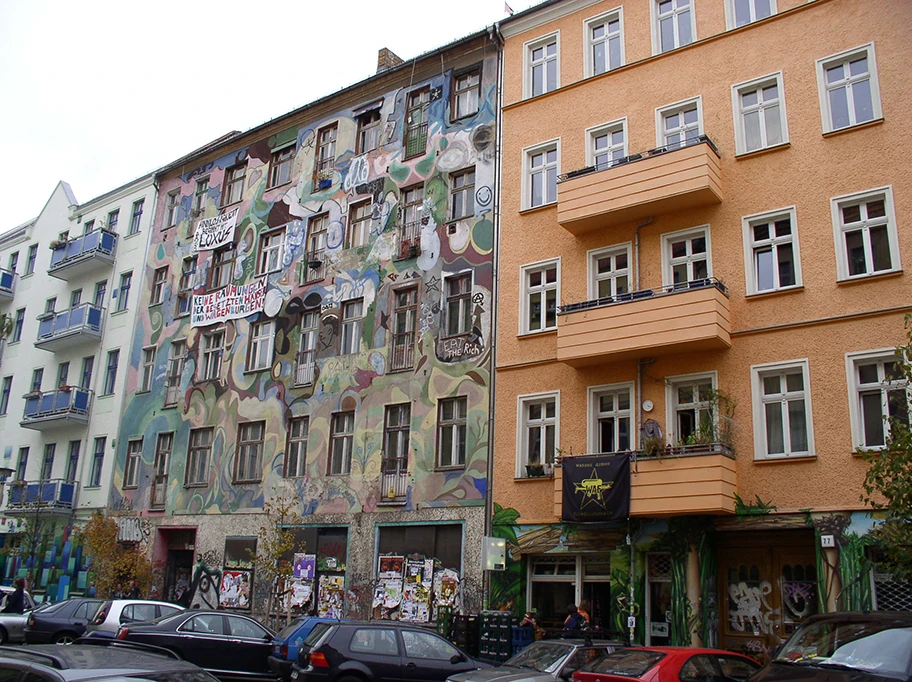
636	252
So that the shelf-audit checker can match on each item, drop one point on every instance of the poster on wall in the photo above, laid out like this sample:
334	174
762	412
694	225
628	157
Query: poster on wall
228	303
388	594
305	566
416	593
234	590
300	593
596	488
446	590
213	233
331	598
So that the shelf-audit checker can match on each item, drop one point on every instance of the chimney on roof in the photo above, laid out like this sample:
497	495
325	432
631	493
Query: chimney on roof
386	60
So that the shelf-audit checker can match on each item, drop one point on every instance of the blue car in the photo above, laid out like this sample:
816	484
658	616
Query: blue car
286	643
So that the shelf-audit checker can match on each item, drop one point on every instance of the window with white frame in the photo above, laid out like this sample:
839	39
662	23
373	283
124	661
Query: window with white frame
186	285
271	245
466	93
369	127
280	166
307	348
541	164
879	393
200	196
542	66
690	401
673	24
172	208
250	445
451	432
611	414
606	143
771	251
148	369
686	257
848	88
233	190
743	12
609	272
538	426
759	110
317	230
396	431
222	265
159	279
259	356
213	346
134	458
198	456
296	451
540	292
462	194
177	356
782	410
679	125
458	290
865	230
405	327
604	43
341	441
359	223
352	319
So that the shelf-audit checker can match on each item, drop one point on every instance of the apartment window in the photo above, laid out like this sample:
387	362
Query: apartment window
172	208
771	252
47	465
743	12
542	66
31	258
458	304
271	251
37	378
98	463
541	175
326	156
200	197
605	47
848	87
22	463
17	325
177	356
609	272
405	326
759	109
75	298
416	122
160	469
606	144
462	194
680	124
259	354
368	131
13	261
159	279
123	291
686	257
466	93
249	464
5	394
280	167
101	292
131	468
113	219
341	440
234	184
147	370
782	410
317	229
674	25
690	400
89	227
213	345
412	200
538	431
451	432
359	223
198	457
73	461
136	216
396	438
879	394
186	285
110	382
296	454
865	231
352	319
611	415
222	265
50	305
539	297
63	373
88	368
307	349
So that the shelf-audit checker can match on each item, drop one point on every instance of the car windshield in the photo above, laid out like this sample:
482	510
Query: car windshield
540	656
316	634
882	647
630	663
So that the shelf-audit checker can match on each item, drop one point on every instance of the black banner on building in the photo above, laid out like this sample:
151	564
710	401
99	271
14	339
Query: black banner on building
596	488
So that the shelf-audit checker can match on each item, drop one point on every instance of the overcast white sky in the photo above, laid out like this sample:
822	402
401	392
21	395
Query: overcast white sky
100	92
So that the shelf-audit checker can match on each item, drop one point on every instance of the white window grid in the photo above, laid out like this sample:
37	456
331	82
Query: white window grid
280	166
305	363
540	291
606	143
673	24
743	12
199	454
341	442
877	389
538	429
864	226
759	113
177	356
689	404
211	367
271	245
158	285
458	290
296	455
466	93
783	424
200	196
604	48
611	410
609	271
234	184
148	368
772	258
261	345
352	319
679	124
542	72
541	164
359	223
462	194
131	467
686	256
250	452
172	209
451	440
849	89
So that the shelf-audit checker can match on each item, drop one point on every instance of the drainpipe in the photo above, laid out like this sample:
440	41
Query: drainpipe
636	252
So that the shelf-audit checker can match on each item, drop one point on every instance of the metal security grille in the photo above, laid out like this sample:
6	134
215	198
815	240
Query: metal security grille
890	595
660	566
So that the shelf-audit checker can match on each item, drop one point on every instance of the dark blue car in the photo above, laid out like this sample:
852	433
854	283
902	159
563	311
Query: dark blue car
285	645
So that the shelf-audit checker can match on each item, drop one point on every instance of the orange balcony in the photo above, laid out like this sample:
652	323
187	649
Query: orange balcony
659	181
677	319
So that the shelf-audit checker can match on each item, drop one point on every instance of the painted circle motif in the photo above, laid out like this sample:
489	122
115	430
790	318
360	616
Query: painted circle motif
272	303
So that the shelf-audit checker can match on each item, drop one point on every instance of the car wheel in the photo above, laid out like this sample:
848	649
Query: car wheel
64	638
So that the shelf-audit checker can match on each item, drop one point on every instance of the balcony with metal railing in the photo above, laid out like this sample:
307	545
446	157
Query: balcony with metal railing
65	406
87	253
305	368
43	496
402	355
70	328
394	481
408	241
314	267
7	284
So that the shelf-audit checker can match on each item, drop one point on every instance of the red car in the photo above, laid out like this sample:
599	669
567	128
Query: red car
667	664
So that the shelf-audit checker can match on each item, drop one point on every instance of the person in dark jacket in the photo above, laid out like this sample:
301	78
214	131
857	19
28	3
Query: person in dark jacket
574	620
15	603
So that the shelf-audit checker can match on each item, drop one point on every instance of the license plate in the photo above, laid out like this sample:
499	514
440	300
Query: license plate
294	674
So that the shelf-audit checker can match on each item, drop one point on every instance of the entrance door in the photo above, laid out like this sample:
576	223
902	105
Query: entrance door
178	575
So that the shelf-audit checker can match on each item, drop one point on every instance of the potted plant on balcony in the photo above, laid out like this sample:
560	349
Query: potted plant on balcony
64	387
535	470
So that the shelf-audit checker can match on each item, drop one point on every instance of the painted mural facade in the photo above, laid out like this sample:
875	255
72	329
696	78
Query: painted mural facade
318	320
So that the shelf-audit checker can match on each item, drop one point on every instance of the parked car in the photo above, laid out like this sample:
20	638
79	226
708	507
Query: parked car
229	645
286	643
12	624
378	652
97	660
843	647
668	664
61	622
546	660
116	612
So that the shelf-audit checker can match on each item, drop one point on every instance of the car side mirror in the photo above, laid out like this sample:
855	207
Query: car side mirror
457	658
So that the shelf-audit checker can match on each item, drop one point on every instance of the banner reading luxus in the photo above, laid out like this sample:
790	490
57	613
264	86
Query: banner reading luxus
596	488
211	233
228	303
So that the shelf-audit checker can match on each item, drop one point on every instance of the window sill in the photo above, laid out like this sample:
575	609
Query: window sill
196	485
765	150
284	184
235	203
253	482
857	126
143	391
533	209
775	292
129	487
781	459
447	469
856	450
94	487
866	278
156	510
258	370
131	235
155	304
105	395
27	275
526	335
120	312
534	478
399	370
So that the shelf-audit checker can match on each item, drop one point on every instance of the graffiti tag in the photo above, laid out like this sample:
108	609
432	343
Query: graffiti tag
358	173
459	347
750	610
